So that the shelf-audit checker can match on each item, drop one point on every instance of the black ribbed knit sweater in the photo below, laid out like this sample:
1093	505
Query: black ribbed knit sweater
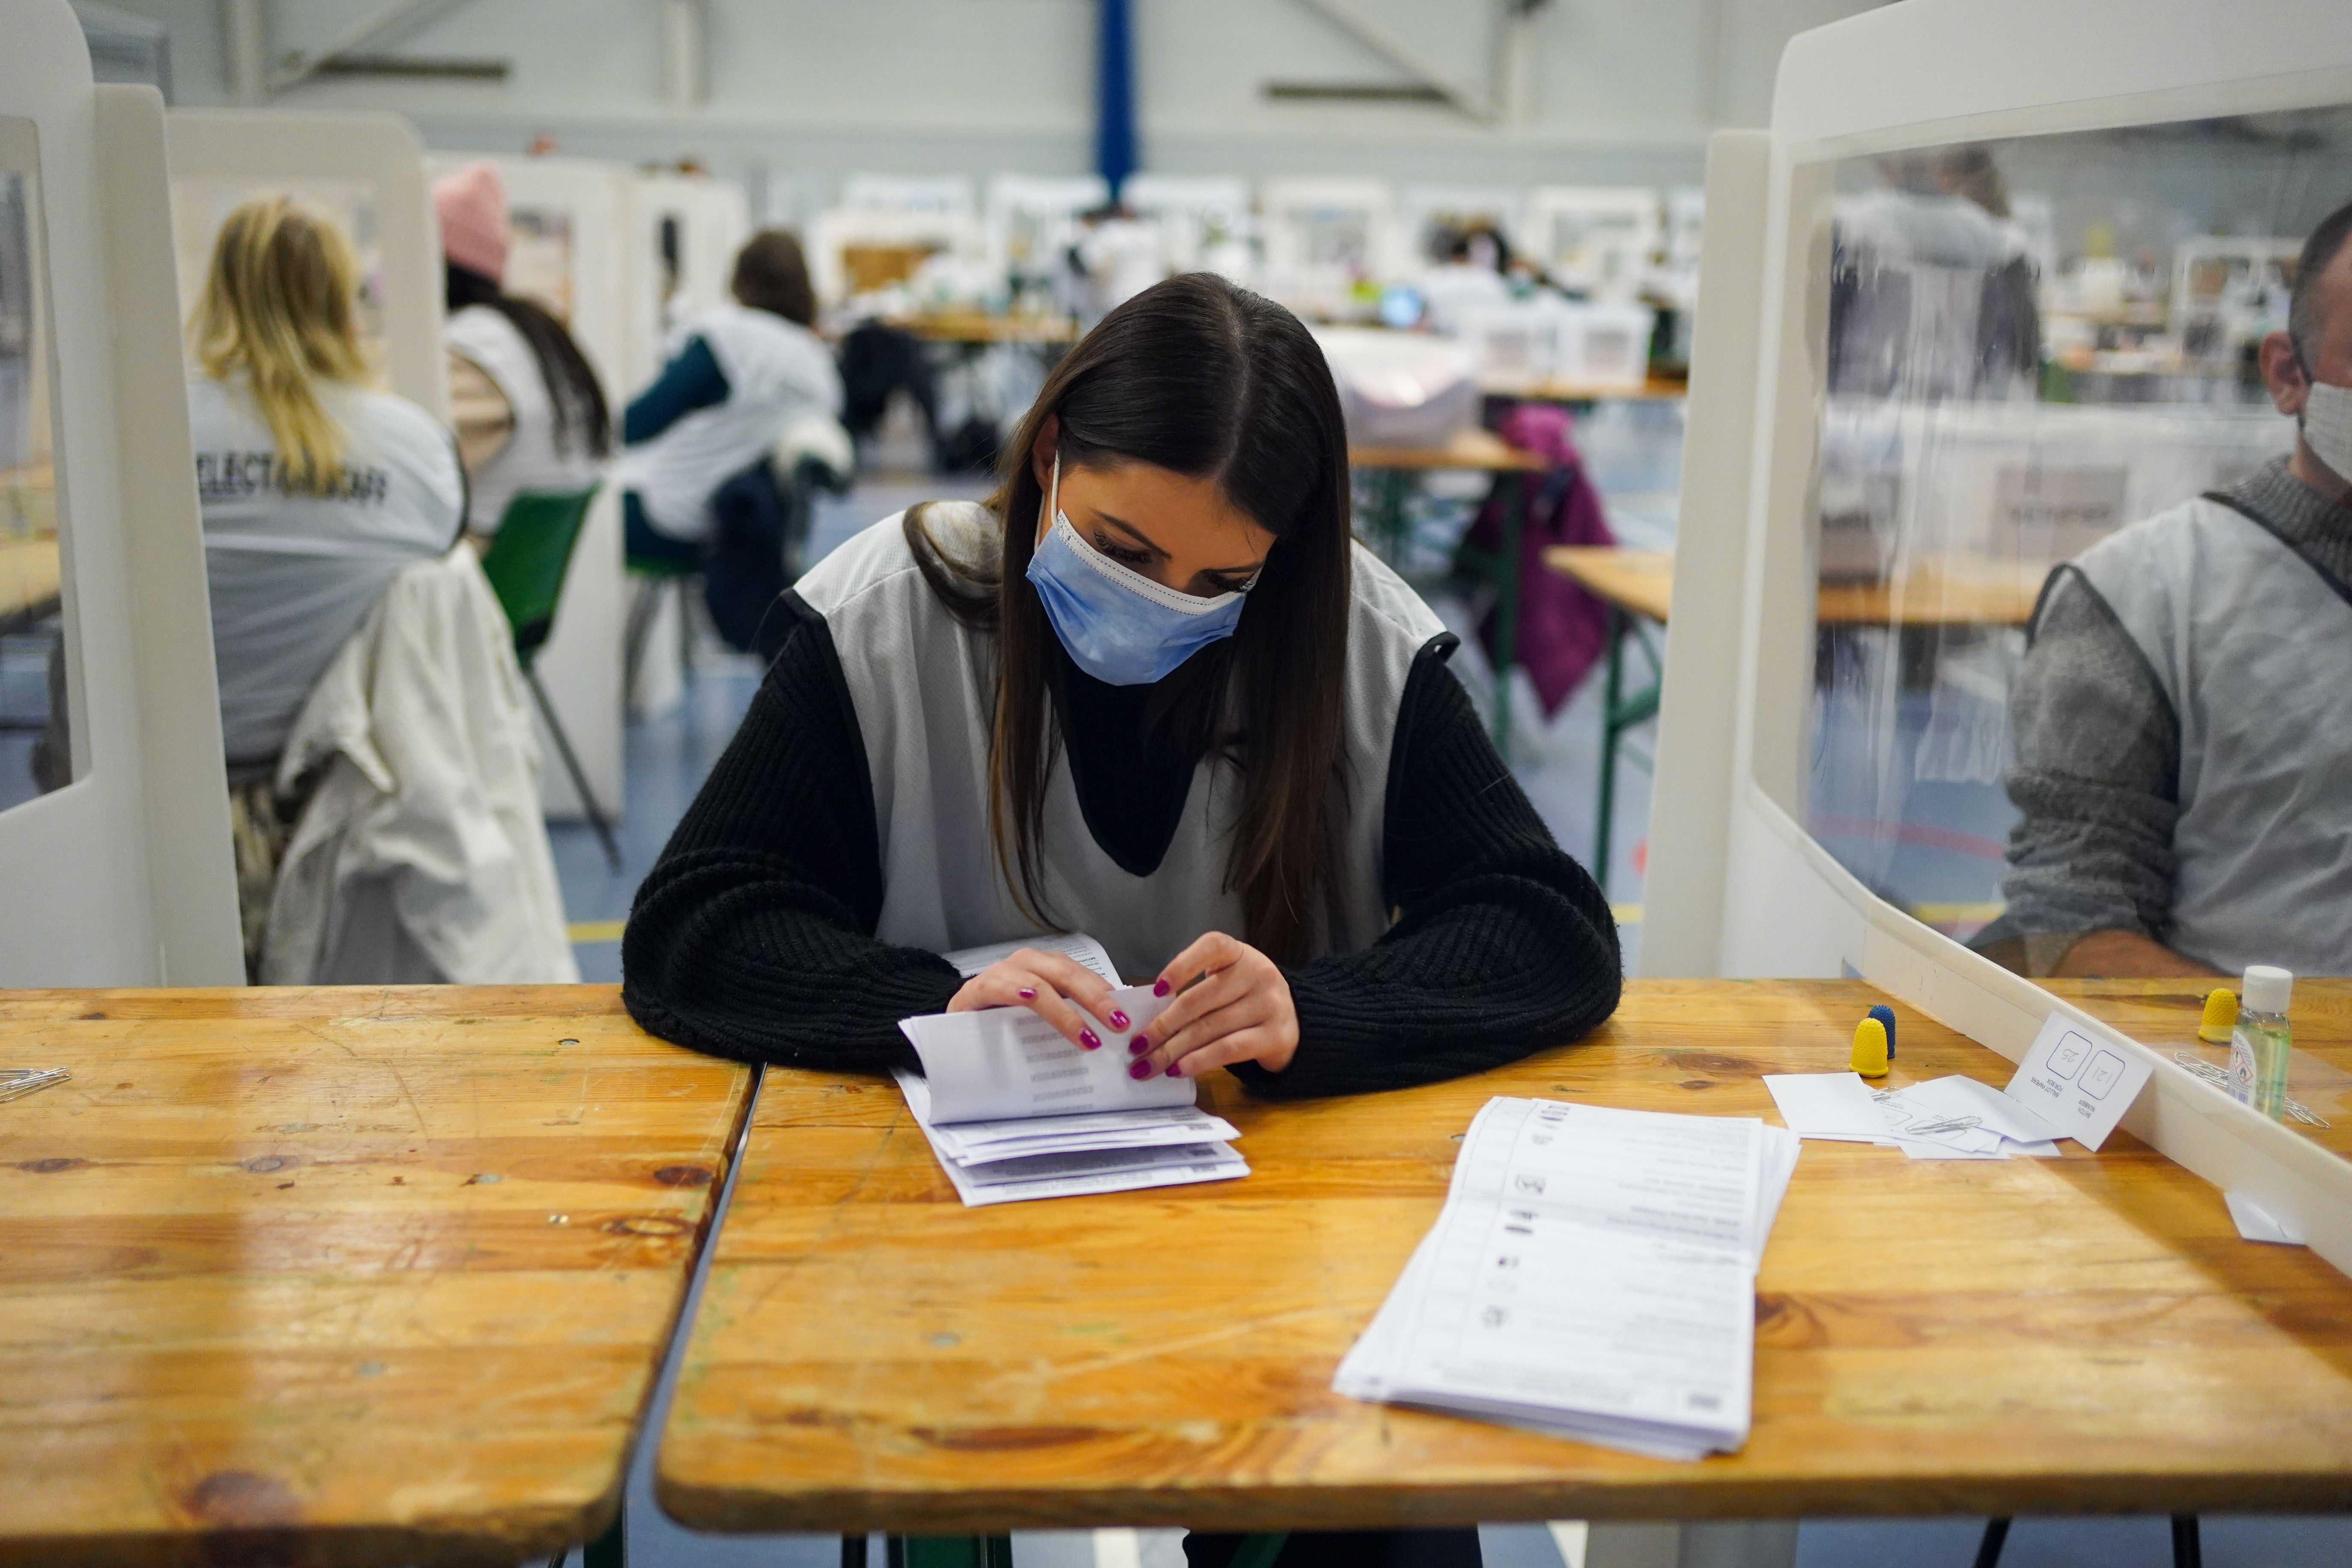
753	935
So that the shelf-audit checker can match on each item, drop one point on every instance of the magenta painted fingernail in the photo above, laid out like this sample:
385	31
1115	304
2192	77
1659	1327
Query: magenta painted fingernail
1117	1020
1138	1046
1160	988
1172	1072
1088	1038
1139	1069
1028	994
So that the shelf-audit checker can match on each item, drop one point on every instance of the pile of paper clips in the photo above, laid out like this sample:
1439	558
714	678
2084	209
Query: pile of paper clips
2218	1077
16	1083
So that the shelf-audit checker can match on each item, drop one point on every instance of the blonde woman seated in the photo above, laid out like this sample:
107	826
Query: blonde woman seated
316	490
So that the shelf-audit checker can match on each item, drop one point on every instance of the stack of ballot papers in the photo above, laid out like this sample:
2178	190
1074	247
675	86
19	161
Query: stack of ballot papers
1592	1276
1016	1112
1950	1118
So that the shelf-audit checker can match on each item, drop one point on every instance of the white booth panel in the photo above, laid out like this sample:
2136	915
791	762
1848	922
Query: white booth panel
116	870
570	217
1204	219
1324	237
1936	419
367	171
1602	239
683	233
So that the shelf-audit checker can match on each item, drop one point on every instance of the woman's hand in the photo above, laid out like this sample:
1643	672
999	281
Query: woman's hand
1050	984
1237	1009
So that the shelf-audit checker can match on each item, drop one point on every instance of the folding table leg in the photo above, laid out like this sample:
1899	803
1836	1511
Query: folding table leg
1612	731
950	1552
2188	1550
1261	1550
1996	1536
1506	610
596	818
610	1550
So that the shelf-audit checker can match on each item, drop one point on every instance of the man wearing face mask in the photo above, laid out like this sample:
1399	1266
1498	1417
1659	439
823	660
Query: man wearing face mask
2183	716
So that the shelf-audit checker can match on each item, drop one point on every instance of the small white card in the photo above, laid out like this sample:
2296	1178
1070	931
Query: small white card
2077	1082
2256	1223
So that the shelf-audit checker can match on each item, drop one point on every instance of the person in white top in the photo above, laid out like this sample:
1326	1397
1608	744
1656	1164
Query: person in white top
738	377
315	490
1121	254
530	413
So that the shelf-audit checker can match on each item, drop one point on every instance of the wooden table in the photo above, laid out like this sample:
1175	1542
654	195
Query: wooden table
1480	449
1640	582
29	580
2163	1015
1991	593
1652	389
979	327
338	1276
2087	1333
1396	471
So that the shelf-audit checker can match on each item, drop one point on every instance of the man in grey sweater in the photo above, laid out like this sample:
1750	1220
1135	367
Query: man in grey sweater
2183	716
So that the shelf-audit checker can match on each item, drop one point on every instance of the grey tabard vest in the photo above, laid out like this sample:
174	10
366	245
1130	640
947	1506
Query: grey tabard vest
2253	648
923	688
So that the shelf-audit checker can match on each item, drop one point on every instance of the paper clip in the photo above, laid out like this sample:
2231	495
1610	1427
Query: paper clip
18	1082
2218	1077
1949	1124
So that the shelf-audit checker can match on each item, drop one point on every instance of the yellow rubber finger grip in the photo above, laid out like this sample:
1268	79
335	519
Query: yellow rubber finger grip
2220	1017
1870	1049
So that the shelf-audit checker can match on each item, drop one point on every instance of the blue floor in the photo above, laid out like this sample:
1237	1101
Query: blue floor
1556	758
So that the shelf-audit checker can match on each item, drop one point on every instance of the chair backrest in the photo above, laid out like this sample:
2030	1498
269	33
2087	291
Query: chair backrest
527	558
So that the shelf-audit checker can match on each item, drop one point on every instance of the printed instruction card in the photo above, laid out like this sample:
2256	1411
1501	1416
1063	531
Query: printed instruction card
2078	1083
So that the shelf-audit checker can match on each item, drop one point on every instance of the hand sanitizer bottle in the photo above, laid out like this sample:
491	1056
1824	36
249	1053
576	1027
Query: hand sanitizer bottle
2259	1045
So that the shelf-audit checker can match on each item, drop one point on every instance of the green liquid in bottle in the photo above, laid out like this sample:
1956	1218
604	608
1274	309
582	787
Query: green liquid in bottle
2259	1048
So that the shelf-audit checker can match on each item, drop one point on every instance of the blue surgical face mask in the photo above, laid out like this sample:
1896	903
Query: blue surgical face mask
1118	625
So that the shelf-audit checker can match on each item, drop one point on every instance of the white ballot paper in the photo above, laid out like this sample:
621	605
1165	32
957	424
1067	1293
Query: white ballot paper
1952	1118
1014	1111
1592	1276
2077	1083
971	961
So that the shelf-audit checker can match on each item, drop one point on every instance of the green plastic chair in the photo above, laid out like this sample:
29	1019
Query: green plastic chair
526	564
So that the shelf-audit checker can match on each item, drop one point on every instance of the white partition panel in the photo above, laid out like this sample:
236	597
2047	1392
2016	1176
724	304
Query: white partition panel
570	218
1926	75
683	233
117	872
366	169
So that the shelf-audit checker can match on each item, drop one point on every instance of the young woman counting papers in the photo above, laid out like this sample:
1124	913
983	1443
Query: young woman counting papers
1152	691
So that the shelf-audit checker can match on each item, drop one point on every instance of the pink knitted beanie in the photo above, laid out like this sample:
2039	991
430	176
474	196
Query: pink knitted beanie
471	203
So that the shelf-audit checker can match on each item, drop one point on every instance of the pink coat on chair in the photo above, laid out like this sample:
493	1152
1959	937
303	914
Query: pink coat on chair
1563	630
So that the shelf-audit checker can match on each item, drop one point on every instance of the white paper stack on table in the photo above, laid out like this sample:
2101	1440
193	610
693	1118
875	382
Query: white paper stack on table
1953	1117
1592	1276
1016	1112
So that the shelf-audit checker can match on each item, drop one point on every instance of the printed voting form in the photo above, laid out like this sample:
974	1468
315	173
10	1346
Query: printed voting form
1592	1276
1016	1112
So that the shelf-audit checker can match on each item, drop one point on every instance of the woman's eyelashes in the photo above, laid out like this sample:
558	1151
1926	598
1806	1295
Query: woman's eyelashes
1207	585
1125	554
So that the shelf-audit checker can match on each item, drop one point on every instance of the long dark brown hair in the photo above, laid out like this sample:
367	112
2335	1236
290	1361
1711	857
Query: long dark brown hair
1207	380
573	397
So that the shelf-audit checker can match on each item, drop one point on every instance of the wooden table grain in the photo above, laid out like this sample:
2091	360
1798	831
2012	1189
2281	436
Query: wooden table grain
29	578
1986	593
1480	449
2083	1333
338	1276
2163	1015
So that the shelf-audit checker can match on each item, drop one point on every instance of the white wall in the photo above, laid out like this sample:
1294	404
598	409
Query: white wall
1617	90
